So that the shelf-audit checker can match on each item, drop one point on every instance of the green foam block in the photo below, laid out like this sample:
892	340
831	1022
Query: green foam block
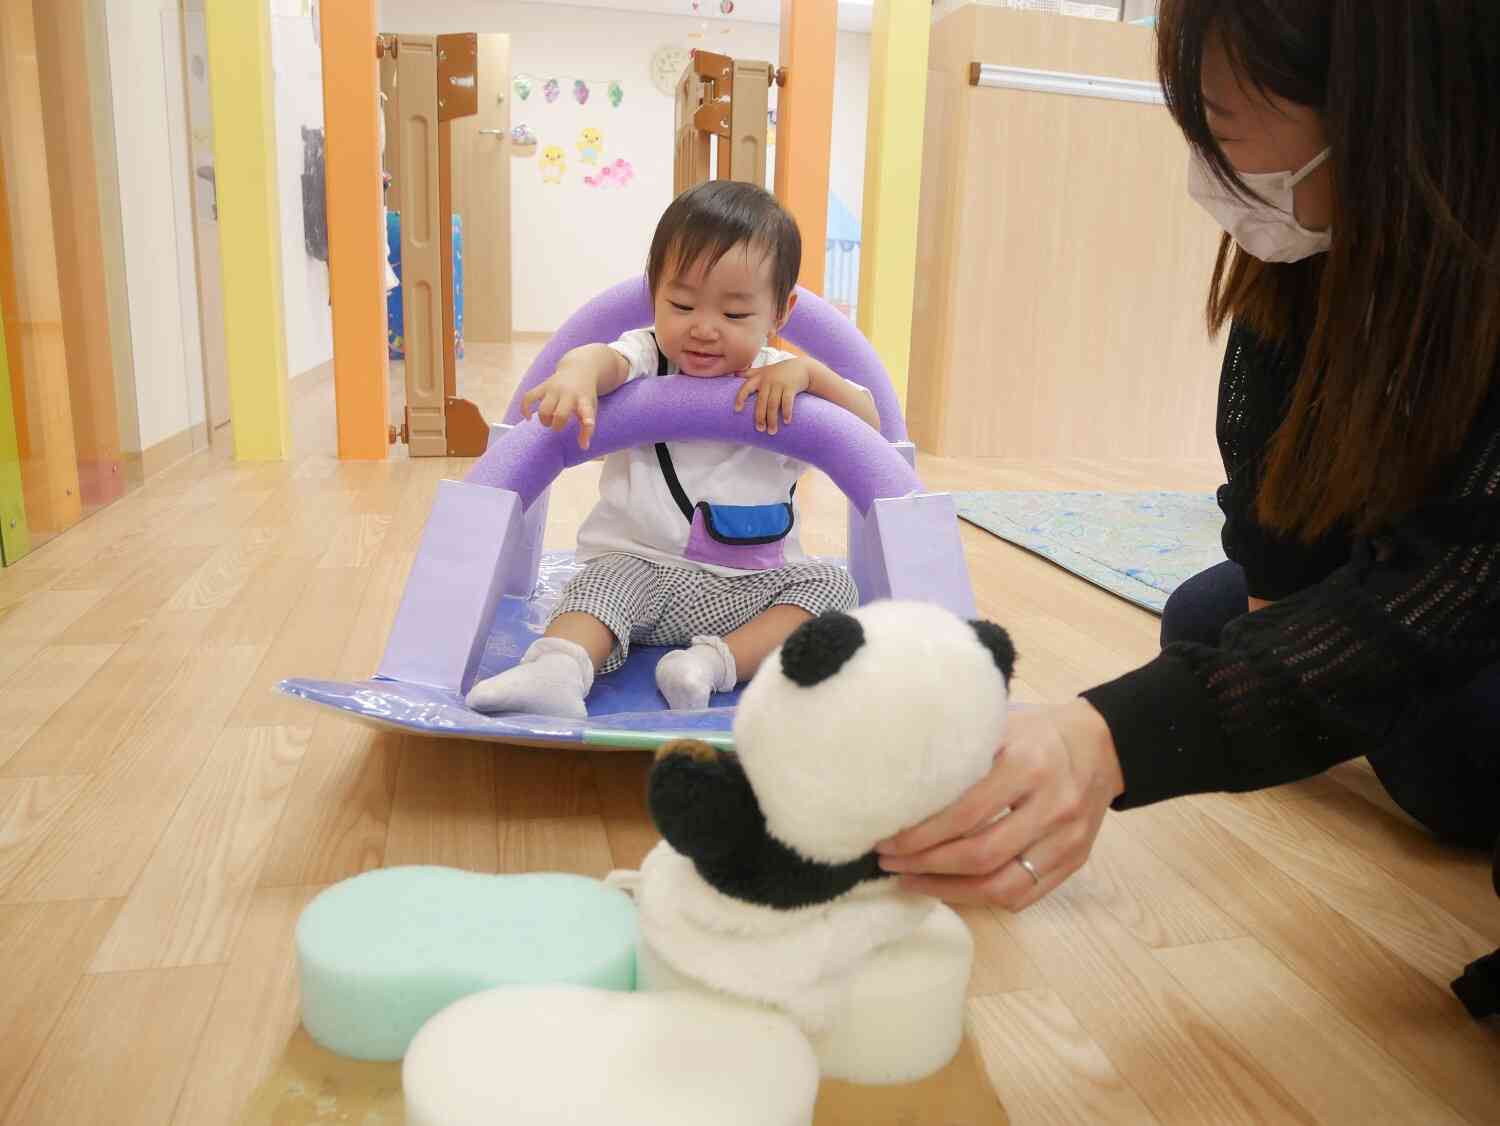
380	954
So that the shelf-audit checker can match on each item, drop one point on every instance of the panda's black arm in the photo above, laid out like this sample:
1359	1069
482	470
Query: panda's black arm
703	805
779	877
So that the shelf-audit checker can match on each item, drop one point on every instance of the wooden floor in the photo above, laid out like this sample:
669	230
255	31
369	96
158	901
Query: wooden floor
164	817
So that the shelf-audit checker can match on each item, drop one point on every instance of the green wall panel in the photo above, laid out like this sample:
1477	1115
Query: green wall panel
15	541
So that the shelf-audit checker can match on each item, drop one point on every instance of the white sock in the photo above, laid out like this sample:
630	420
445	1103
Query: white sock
688	677
553	679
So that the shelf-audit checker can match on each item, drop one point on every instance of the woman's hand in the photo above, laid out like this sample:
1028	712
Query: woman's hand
774	386
1042	803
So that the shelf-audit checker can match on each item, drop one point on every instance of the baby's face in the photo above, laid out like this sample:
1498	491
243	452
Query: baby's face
714	322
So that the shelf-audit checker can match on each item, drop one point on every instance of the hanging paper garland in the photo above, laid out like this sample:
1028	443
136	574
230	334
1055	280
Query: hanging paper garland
726	6
583	88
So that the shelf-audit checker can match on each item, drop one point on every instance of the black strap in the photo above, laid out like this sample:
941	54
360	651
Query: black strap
664	455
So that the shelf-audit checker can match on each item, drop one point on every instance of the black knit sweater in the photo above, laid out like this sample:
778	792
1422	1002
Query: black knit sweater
1366	639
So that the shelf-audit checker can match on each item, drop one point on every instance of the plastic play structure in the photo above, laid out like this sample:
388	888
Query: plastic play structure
481	587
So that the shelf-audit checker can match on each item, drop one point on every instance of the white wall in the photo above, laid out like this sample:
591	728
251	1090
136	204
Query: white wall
571	241
297	61
851	112
163	305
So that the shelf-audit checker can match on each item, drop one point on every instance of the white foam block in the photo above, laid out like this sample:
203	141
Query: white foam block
548	1056
902	1015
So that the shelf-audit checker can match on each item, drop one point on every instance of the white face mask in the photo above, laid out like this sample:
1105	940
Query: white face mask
1269	230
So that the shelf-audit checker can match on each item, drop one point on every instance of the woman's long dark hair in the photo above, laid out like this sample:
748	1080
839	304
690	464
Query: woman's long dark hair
1402	318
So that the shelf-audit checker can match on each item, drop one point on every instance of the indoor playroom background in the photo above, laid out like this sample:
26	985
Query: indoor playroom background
223	444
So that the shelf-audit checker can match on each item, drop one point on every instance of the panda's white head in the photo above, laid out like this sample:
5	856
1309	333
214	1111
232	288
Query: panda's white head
868	723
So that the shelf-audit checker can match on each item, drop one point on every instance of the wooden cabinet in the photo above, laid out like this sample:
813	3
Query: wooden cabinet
1062	270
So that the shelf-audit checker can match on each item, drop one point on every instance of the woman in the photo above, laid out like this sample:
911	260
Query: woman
1349	150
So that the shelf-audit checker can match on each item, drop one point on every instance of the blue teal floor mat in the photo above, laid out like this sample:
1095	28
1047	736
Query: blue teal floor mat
1139	546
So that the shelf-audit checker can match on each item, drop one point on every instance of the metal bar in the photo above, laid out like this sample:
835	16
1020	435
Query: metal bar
1060	82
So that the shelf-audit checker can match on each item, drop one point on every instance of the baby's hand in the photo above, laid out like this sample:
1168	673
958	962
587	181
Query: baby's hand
774	386
569	391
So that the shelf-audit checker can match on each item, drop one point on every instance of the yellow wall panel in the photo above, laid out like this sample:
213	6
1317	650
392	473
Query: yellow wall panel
893	180
239	51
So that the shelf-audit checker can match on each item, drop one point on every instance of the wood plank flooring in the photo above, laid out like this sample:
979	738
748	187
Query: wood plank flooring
1280	957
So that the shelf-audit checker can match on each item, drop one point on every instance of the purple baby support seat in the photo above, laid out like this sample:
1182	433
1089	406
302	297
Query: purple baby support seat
481	588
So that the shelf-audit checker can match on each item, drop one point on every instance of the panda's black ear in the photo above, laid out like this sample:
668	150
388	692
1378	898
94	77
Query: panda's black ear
998	642
821	647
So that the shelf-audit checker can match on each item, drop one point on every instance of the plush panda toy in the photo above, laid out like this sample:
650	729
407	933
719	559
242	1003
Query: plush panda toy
767	886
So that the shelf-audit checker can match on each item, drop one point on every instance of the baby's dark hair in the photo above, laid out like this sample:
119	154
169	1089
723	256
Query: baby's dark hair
714	218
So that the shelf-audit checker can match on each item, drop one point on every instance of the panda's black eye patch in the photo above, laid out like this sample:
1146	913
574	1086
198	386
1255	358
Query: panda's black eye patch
819	648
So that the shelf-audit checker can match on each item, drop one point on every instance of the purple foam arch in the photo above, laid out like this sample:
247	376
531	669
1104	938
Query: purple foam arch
864	465
815	326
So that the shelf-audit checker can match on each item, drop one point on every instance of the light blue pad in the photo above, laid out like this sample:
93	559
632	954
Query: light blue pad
1139	546
380	954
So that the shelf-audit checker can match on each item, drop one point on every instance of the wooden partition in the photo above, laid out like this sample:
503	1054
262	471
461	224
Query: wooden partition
722	104
29	287
66	335
1062	269
67	116
424	243
437	85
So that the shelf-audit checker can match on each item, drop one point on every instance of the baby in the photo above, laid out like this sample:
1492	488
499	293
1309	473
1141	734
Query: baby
693	545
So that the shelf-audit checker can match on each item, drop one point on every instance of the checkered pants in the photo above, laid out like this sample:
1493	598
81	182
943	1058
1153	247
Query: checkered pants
653	604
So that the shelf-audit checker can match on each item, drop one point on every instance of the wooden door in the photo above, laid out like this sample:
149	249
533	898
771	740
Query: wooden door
205	197
481	195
